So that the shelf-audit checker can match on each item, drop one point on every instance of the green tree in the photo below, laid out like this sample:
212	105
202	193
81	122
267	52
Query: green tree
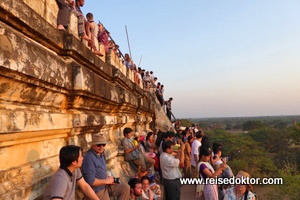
244	153
281	125
250	125
237	126
185	122
290	189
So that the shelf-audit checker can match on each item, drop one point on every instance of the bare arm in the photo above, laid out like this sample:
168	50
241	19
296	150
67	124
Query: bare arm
214	175
107	181
87	190
150	195
181	154
130	150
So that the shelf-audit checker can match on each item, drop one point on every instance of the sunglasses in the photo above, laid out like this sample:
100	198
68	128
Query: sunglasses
101	145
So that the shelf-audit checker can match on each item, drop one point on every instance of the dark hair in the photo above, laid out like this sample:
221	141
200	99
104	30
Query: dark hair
171	98
132	182
216	150
166	145
89	15
170	134
69	154
199	134
190	137
126	131
149	135
204	152
217	145
205	142
144	178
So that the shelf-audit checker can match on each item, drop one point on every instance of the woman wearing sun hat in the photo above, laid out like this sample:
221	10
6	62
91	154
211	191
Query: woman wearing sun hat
240	192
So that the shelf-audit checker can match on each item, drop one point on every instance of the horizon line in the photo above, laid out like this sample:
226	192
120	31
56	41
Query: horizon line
240	116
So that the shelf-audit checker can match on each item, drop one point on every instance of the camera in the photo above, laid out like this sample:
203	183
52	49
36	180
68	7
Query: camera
225	159
116	180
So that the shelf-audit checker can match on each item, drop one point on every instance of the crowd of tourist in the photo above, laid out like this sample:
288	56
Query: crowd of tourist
88	30
160	159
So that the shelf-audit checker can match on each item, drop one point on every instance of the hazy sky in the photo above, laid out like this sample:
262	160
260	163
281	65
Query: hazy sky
217	58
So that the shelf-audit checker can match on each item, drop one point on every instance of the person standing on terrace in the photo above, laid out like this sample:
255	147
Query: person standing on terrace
159	94
93	26
147	80
63	13
169	107
170	169
84	26
128	61
115	49
151	76
103	37
154	80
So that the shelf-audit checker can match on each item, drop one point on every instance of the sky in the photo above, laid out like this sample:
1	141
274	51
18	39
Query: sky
220	58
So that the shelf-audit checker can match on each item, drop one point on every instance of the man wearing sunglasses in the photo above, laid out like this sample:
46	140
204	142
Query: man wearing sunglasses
94	172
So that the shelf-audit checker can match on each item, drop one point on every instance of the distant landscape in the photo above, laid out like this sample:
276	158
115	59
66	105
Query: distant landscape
266	146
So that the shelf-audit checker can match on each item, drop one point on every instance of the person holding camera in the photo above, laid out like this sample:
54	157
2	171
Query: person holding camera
94	172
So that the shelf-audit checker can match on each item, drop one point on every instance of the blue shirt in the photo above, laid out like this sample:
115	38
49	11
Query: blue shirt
94	166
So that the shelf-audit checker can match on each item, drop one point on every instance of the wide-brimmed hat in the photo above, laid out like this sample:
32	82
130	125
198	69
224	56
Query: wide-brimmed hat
182	128
99	139
244	175
136	134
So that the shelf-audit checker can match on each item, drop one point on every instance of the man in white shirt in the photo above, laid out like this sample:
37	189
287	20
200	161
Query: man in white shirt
151	76
170	169
195	153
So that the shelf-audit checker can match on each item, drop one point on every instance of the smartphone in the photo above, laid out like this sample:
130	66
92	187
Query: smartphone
151	185
225	159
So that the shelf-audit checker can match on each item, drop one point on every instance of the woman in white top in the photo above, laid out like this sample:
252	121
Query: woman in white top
210	192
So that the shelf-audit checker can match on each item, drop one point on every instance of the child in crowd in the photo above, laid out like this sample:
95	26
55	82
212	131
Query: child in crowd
147	192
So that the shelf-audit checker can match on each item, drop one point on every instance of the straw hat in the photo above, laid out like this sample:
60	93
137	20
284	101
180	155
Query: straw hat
182	128
99	139
245	175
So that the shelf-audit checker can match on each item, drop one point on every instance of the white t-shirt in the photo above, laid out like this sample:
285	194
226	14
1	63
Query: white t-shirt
152	77
195	151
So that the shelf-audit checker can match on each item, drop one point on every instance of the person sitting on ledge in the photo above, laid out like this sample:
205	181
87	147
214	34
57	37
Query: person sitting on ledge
132	152
62	183
94	172
136	189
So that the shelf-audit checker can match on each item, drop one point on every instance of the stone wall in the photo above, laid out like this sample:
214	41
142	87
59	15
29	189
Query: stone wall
54	91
